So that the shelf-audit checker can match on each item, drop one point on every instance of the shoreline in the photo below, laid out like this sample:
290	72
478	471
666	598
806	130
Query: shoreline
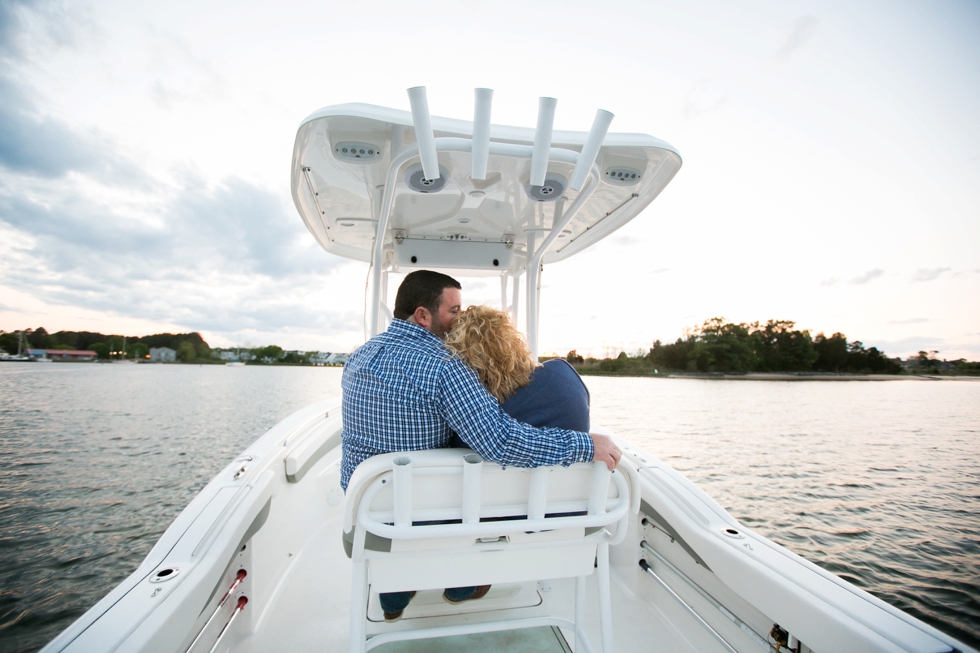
787	376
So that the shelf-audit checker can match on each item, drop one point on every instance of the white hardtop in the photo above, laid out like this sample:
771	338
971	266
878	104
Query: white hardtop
339	194
405	190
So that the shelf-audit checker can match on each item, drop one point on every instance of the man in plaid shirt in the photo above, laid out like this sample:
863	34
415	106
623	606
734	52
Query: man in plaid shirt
404	391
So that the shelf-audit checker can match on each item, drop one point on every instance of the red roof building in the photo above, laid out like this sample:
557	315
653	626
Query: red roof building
71	354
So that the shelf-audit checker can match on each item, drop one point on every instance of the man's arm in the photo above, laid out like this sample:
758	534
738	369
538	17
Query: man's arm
480	422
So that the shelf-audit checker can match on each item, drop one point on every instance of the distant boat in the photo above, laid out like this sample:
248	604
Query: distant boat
238	362
22	346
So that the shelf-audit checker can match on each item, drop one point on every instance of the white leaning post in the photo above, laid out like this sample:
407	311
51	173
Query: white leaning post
395	472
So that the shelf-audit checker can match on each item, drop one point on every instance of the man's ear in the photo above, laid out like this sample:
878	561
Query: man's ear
422	317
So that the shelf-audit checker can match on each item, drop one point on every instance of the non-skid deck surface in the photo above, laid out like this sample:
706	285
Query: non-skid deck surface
527	640
309	612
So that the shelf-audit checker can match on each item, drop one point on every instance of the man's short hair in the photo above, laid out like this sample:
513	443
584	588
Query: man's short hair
421	288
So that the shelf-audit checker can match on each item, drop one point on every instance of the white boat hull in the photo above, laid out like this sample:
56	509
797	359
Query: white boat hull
705	583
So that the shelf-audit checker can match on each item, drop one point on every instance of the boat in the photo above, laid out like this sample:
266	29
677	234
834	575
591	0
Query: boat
23	354
238	362
273	556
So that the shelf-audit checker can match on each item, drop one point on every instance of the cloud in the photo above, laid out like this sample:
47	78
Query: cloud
37	145
52	24
870	275
914	320
32	142
803	30
222	257
82	225
928	274
832	281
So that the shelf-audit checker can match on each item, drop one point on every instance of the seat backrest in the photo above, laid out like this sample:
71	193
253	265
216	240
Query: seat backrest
440	498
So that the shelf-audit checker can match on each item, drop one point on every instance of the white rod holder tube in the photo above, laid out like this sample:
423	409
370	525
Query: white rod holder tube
481	133
600	488
472	475
401	479
537	495
600	126
542	139
503	292
423	132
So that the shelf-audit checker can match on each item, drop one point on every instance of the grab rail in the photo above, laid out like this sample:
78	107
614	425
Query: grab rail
645	566
744	627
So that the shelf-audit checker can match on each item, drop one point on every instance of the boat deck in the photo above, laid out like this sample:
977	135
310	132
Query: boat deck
309	612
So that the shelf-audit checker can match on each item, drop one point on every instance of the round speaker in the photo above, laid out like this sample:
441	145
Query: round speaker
553	187
415	179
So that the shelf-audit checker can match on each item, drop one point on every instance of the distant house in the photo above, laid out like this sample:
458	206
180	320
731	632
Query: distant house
82	355
320	357
335	358
328	358
162	355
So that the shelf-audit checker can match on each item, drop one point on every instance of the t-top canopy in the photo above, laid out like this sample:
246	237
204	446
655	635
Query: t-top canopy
341	164
468	197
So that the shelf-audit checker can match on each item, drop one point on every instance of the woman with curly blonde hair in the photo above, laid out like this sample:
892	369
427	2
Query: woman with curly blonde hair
549	395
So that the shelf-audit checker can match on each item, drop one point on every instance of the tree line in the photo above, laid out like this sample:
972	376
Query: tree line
718	346
190	347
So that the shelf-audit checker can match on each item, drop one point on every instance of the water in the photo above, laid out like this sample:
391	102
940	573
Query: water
877	482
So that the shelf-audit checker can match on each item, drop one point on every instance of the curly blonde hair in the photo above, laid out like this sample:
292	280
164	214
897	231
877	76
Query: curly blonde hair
487	340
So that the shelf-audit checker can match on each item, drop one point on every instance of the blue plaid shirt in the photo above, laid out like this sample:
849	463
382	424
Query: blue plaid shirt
404	391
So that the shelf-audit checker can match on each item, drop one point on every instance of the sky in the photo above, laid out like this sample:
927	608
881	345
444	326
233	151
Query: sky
831	162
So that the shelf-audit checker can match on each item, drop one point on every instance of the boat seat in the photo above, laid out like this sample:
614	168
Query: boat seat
427	520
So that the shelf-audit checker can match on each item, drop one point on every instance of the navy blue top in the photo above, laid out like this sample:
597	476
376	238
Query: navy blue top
555	397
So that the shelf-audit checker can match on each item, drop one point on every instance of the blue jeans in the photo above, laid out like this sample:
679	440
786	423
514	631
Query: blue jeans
392	602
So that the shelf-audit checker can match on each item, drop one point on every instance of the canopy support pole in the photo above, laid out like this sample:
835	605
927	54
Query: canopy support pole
515	297
534	266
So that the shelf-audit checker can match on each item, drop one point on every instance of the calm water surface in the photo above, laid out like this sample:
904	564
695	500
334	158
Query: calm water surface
877	482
